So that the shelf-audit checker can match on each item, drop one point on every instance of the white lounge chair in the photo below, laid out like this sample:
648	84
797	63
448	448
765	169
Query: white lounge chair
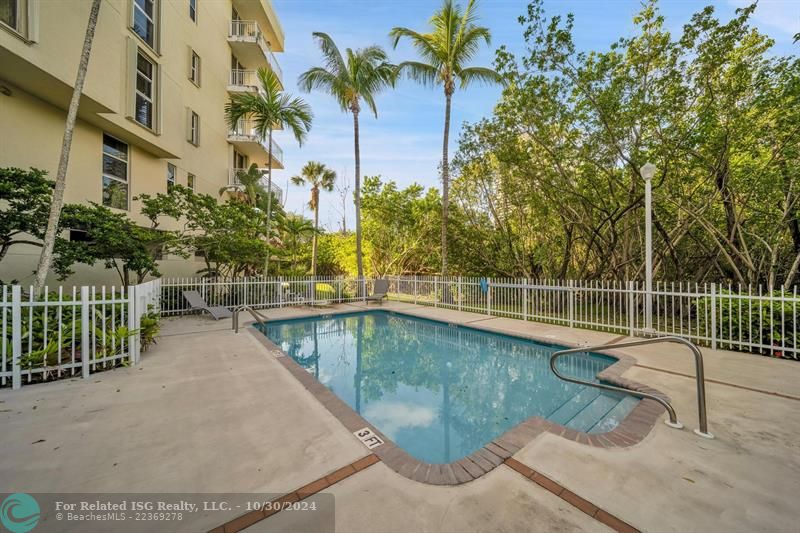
196	303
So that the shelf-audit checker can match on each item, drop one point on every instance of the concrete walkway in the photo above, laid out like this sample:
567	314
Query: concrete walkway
210	411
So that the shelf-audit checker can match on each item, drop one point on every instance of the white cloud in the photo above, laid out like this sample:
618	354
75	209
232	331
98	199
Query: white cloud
391	417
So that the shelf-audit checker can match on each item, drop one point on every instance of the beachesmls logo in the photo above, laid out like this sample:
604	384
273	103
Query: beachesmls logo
19	513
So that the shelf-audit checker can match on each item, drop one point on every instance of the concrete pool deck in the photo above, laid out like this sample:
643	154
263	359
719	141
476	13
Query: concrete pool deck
210	411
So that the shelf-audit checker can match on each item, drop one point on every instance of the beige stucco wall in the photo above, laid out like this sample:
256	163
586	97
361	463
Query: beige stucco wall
32	117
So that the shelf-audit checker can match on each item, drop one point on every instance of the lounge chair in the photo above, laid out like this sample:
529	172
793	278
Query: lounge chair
379	290
197	303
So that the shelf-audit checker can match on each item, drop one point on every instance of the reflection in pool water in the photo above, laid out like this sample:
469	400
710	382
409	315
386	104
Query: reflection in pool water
441	392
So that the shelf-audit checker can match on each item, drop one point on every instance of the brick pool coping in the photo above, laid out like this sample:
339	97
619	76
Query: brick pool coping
632	430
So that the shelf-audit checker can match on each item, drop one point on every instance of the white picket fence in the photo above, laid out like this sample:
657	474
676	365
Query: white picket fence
738	318
71	332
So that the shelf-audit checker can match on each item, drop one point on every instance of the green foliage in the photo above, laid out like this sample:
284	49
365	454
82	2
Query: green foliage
400	226
25	196
550	184
270	107
757	321
111	238
149	327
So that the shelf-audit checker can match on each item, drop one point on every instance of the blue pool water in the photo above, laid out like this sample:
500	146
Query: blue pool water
439	391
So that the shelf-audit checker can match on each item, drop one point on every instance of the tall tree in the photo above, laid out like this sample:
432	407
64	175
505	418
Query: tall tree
361	76
318	176
46	256
453	40
269	108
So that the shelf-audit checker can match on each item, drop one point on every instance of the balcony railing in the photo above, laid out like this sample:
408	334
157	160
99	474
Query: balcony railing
233	180
243	78
246	131
248	30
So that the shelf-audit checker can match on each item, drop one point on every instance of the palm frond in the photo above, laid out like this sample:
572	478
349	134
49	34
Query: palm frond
471	75
420	72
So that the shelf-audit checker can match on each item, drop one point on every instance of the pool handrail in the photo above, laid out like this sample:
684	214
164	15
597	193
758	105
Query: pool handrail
255	314
673	419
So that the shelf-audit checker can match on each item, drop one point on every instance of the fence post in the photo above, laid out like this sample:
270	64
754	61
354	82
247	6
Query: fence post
459	293
713	316
435	291
631	314
86	350
16	336
489	296
280	291
571	303
525	299
415	289
133	346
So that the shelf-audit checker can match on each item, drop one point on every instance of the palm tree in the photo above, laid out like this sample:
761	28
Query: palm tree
46	256
248	187
319	177
453	41
270	108
296	230
361	76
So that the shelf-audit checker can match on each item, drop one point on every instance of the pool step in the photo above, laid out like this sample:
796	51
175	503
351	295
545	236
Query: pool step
592	413
573	406
616	415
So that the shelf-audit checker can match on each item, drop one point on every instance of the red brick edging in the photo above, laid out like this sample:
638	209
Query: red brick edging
571	498
248	519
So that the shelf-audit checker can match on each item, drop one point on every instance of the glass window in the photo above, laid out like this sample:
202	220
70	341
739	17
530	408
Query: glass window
8	12
144	20
115	173
193	10
194	68
171	172
190	181
145	70
194	128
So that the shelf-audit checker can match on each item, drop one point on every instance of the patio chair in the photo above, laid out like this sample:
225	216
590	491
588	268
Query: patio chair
379	291
196	303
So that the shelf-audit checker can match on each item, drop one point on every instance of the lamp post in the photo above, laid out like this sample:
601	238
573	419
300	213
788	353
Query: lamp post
648	171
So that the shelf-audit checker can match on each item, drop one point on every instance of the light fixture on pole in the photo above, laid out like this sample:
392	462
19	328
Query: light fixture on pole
648	171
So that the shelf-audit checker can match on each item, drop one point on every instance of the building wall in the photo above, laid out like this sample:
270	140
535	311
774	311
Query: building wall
40	74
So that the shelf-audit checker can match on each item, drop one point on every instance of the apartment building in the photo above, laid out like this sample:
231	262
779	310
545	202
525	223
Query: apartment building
152	110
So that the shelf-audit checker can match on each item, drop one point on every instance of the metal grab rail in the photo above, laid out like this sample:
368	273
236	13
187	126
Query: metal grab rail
673	419
255	314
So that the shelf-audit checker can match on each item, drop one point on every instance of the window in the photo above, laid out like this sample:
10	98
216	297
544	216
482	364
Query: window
171	172
194	68
79	235
193	10
194	128
9	13
115	173
190	181
144	21
145	76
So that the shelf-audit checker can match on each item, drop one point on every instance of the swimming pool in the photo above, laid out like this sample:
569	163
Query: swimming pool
439	391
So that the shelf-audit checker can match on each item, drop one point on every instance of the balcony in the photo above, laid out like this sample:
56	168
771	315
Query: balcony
248	141
250	47
242	81
233	181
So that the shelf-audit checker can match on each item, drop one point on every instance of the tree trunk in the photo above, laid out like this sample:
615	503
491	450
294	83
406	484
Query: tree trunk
357	196
445	182
269	204
315	197
46	257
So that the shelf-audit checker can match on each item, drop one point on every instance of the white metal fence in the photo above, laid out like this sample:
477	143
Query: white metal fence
738	318
70	332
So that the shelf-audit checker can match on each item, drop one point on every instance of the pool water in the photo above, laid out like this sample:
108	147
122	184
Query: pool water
440	391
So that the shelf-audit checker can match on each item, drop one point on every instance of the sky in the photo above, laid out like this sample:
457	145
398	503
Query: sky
404	143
